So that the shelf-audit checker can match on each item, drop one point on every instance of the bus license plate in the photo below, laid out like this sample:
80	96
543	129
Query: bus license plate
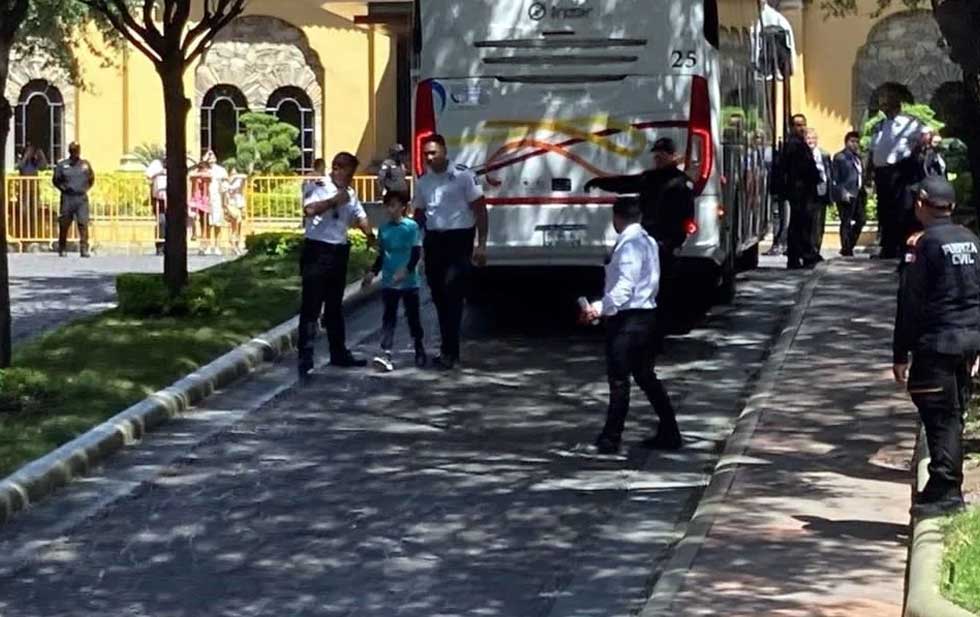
563	236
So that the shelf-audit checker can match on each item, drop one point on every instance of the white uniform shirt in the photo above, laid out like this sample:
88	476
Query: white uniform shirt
446	198
632	274
331	226
894	140
822	170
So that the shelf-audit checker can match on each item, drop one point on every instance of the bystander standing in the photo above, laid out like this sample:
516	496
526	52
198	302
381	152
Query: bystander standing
894	171
74	177
799	180
849	192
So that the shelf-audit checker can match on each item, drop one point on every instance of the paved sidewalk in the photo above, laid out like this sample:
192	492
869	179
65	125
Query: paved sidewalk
47	291
816	523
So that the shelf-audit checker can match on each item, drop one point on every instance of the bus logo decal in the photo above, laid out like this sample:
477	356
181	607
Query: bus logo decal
538	11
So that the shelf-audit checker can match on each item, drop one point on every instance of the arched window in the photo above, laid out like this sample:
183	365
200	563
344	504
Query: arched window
293	106
40	120
220	112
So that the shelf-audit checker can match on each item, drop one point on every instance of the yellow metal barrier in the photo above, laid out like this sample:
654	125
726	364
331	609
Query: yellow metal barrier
122	212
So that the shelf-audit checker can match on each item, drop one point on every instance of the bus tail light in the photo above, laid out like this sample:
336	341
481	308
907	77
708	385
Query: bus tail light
690	227
700	145
425	123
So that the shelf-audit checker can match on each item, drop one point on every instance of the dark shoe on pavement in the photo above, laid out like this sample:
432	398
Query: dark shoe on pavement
794	266
85	255
943	507
62	254
606	445
304	370
421	358
348	360
444	363
663	441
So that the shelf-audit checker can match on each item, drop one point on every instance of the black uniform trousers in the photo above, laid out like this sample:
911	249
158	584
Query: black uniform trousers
323	268
391	298
74	208
448	268
630	341
853	216
891	185
804	220
940	386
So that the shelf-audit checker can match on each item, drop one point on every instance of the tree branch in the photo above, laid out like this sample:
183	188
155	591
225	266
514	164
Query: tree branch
133	35
219	21
12	19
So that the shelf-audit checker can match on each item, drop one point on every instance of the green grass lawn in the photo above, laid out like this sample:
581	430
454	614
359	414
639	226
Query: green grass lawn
961	562
77	376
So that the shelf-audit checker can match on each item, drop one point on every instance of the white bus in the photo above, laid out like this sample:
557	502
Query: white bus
540	96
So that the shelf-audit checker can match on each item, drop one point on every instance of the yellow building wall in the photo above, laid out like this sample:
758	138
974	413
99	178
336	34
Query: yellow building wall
99	113
830	51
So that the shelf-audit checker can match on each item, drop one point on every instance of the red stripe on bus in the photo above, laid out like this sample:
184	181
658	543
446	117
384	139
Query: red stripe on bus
548	201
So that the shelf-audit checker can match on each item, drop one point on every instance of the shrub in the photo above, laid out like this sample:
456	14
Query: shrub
274	243
146	295
24	392
265	145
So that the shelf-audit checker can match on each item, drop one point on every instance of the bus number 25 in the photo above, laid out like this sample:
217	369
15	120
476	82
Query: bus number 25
683	59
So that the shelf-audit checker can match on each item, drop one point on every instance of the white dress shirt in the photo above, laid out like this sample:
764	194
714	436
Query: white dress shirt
632	274
822	170
894	139
331	226
445	198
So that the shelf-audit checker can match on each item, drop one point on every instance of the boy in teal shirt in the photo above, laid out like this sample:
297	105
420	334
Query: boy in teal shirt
399	252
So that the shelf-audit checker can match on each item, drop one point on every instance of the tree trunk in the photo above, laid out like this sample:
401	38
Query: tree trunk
6	336
176	107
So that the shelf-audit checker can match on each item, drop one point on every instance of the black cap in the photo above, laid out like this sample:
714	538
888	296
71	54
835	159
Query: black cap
936	191
664	144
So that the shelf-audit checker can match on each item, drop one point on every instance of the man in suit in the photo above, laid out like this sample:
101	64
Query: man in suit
849	193
799	179
822	196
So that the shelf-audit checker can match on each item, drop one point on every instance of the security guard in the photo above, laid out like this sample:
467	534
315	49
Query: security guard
330	208
630	309
667	202
74	178
449	204
938	323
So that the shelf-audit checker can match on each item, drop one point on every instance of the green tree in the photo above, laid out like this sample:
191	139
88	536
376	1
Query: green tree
959	21
29	28
265	145
164	32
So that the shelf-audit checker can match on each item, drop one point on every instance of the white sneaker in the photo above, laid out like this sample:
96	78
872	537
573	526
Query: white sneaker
383	363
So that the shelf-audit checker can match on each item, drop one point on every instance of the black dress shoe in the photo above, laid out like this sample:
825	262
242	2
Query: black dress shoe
942	507
663	441
304	369
348	360
421	358
606	445
444	363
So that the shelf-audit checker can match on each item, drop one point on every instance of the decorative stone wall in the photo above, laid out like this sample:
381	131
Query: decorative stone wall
904	49
26	69
259	54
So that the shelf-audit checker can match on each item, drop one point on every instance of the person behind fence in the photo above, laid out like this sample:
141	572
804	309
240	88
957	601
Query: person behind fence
630	310
938	325
331	209
849	193
217	191
235	207
393	174
156	175
399	253
74	177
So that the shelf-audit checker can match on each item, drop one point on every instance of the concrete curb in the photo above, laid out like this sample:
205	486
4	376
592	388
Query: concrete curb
712	501
41	477
922	597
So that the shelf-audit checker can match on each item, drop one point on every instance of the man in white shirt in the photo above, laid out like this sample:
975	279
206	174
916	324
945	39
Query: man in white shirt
630	309
450	206
330	208
892	148
156	175
823	197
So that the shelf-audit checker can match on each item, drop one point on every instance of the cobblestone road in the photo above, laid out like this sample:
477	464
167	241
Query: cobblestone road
412	494
47	291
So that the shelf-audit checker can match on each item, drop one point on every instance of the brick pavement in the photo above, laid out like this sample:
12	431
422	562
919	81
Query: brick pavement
816	523
413	494
47	291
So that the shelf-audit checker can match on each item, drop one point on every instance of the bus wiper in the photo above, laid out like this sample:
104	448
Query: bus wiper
561	43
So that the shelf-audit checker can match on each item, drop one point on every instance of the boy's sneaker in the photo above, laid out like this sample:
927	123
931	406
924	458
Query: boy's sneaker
421	358
383	363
